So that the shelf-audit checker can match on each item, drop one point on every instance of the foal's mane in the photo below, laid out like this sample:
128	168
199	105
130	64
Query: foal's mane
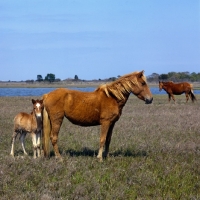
121	86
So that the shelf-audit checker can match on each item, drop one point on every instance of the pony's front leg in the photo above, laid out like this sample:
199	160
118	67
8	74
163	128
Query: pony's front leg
34	141
13	143
172	96
169	97
22	137
108	139
103	135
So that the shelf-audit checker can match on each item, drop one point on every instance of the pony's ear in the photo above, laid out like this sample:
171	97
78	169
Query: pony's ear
41	101
140	74
33	101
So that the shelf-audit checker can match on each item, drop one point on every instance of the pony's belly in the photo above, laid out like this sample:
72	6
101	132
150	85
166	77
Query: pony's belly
84	121
83	116
178	93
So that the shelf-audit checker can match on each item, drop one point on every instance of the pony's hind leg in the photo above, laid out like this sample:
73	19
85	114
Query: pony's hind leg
54	140
187	97
22	137
54	135
13	143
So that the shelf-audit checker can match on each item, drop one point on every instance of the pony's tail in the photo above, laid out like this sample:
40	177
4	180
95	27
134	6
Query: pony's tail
193	96
46	133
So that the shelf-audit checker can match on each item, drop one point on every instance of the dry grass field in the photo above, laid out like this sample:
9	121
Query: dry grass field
154	154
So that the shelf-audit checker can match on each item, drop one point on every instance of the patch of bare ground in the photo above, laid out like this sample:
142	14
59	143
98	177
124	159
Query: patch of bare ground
154	154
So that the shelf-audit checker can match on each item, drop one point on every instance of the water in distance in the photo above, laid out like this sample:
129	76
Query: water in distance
40	91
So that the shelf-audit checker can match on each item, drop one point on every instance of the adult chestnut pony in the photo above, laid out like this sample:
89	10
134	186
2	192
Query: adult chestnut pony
177	88
100	107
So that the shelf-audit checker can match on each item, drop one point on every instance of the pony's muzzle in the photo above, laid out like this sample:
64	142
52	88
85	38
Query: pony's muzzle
149	101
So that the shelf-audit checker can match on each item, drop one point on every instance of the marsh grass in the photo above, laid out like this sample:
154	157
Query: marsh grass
154	154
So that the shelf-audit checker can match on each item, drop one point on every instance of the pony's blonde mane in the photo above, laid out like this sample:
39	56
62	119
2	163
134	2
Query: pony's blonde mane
121	86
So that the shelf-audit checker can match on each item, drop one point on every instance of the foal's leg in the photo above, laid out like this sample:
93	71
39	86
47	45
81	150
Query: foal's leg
13	142
22	137
108	139
38	139
103	135
33	135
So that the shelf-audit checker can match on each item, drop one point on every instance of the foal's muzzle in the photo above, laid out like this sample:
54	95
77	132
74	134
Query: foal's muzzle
149	101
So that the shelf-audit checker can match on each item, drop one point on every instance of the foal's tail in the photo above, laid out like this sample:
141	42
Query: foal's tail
46	133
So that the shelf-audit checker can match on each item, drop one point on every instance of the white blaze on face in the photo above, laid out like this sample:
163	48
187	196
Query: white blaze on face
38	109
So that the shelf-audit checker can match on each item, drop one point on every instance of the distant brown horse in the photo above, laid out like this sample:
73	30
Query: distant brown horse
29	123
177	88
101	107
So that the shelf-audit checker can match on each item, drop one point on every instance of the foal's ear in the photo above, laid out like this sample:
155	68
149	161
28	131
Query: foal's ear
33	101
41	101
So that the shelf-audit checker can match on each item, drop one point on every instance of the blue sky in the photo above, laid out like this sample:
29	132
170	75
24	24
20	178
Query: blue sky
97	39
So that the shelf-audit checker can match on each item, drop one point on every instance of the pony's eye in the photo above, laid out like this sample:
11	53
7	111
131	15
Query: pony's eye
144	83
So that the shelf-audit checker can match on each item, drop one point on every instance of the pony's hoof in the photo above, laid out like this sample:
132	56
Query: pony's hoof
100	159
59	159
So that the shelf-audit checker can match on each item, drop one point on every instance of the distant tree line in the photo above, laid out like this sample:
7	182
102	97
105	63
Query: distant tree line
154	77
175	76
49	78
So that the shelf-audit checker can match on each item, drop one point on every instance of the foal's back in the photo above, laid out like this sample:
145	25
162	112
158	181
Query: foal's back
24	121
